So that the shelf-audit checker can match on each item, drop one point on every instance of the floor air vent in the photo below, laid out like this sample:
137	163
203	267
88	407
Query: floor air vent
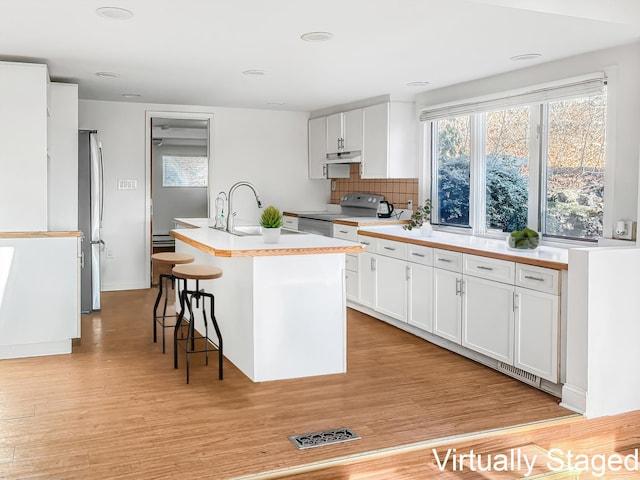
317	439
520	374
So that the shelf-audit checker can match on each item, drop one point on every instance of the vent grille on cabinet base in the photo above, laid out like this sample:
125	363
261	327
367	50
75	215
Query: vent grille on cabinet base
519	374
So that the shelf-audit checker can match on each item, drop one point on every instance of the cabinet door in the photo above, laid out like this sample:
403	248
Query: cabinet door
391	287
290	222
487	320
375	147
334	133
352	130
446	304
420	299
317	147
351	283
536	332
366	278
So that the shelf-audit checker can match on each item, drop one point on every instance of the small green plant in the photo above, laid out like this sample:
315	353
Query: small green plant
271	218
420	216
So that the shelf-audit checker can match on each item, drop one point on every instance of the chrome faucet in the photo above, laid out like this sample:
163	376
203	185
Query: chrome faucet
232	214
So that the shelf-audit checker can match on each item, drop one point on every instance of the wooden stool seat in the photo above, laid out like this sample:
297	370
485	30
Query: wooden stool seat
196	272
172	258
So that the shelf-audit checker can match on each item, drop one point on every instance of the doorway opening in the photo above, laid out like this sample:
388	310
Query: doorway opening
179	173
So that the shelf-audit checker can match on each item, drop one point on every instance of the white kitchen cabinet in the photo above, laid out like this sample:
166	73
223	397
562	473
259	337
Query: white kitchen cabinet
290	222
391	277
537	317
349	232
487	318
317	147
389	137
345	232
366	272
447	304
344	131
420	299
23	146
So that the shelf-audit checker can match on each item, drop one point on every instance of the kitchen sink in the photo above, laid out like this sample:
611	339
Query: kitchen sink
255	230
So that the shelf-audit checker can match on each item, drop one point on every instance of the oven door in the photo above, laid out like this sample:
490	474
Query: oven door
312	225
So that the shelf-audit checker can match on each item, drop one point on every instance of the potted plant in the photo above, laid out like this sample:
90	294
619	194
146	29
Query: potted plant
271	221
420	219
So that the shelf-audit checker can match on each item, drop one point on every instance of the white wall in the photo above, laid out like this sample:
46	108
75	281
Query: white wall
62	189
23	147
622	65
603	331
172	202
267	148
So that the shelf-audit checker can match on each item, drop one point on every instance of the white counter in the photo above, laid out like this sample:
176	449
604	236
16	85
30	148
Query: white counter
281	307
544	255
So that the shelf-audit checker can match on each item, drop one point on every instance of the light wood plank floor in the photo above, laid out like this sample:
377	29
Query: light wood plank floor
116	408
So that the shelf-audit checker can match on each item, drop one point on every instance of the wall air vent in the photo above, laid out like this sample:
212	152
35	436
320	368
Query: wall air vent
519	374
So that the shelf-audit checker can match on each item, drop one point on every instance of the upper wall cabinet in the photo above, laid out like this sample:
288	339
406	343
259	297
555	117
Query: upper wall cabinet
344	131
317	147
389	146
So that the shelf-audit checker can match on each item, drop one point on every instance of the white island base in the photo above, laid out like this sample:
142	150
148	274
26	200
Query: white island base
280	316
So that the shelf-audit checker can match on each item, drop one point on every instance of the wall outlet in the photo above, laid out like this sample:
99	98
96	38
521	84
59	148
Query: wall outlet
625	230
409	204
333	185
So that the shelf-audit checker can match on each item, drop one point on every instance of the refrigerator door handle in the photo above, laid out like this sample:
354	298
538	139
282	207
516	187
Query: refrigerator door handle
101	182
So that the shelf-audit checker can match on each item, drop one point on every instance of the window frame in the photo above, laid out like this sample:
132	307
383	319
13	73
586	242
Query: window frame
203	158
538	135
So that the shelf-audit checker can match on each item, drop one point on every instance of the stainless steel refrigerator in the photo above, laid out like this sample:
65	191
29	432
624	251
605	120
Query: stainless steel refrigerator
90	210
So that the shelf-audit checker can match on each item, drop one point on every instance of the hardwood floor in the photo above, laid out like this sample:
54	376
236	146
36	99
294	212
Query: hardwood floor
116	408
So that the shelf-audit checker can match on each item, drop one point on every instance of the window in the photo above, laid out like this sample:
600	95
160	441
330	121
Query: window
499	166
184	171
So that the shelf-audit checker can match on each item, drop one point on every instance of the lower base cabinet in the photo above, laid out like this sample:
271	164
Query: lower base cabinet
487	321
447	305
391	287
420	301
536	333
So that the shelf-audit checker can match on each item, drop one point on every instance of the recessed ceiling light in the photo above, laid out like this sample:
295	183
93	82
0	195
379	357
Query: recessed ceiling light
253	72
316	36
420	83
526	56
131	95
114	13
107	74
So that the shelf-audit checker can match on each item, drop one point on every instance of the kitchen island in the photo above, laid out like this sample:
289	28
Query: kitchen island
281	307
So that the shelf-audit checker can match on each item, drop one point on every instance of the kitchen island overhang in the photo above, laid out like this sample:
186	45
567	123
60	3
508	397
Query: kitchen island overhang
281	307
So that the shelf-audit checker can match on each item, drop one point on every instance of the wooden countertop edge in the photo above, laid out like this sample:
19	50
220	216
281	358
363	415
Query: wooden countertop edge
474	251
38	234
370	223
271	252
290	214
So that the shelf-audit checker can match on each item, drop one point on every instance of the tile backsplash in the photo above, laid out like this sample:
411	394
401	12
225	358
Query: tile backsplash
395	190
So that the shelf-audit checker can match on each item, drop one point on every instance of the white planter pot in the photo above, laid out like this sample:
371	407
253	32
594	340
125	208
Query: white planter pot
270	235
426	230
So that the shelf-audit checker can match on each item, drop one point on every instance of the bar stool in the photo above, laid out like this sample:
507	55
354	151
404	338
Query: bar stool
197	273
166	258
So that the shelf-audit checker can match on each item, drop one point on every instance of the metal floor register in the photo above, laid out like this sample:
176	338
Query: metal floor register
326	437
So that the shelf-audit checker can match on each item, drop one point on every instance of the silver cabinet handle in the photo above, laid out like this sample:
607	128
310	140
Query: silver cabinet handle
418	254
515	301
343	231
389	248
458	286
324	171
537	279
373	264
408	271
365	243
446	260
482	267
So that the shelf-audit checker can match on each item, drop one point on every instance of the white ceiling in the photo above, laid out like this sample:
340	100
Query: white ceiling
194	51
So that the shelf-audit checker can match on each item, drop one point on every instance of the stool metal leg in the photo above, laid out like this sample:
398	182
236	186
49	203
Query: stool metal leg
183	299
155	310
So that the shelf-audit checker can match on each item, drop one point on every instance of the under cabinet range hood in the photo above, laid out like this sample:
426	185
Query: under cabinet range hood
344	157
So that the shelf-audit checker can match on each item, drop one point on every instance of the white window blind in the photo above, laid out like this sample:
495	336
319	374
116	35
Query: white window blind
575	88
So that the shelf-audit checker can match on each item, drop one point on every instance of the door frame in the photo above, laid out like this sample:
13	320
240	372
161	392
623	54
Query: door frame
149	115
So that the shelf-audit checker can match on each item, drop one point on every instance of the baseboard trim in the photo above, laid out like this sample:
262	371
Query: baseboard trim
574	399
114	287
59	347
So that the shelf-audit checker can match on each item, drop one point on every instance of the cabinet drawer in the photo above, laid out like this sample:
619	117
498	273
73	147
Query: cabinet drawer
489	268
420	254
345	232
392	249
447	260
368	242
351	262
290	222
538	278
